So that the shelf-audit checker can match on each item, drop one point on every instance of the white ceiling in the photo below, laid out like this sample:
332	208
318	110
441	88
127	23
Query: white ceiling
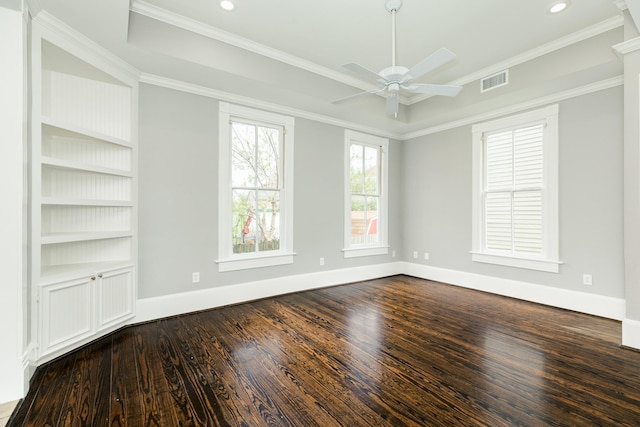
249	51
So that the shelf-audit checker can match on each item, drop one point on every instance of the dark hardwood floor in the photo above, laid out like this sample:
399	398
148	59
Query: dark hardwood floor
388	352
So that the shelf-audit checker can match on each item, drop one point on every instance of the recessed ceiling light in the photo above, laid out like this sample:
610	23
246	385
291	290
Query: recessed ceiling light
558	7
227	5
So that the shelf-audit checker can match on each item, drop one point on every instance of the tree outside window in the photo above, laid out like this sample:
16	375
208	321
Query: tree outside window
256	184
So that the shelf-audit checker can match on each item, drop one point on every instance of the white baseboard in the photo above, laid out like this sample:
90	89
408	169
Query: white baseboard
631	333
171	305
597	305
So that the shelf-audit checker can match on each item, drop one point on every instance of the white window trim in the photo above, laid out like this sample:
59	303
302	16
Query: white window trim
549	260
228	261
382	247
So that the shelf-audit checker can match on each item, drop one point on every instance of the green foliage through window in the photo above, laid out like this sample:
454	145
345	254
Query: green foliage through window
256	185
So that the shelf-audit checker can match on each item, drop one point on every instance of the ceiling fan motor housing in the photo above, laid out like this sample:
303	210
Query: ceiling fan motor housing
394	74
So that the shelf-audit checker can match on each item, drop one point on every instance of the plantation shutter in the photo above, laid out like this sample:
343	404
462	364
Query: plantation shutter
513	190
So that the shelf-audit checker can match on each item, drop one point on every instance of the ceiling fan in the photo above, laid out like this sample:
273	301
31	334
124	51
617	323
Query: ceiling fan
397	78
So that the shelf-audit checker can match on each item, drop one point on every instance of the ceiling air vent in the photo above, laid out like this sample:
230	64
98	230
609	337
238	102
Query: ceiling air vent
494	81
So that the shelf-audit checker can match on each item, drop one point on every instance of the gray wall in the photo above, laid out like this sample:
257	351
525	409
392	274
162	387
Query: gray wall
178	189
437	201
429	206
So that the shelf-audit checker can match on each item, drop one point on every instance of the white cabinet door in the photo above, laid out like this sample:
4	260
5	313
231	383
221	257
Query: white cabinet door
115	297
65	314
75	312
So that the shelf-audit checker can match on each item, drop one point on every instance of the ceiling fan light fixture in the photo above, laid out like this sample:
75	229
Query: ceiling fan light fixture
227	5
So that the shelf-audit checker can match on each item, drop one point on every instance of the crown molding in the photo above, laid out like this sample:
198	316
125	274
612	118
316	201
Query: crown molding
33	7
277	108
622	4
262	105
534	103
59	33
627	46
573	38
154	12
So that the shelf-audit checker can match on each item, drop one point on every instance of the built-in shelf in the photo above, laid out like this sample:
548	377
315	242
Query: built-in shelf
84	202
49	239
66	164
57	273
67	126
83	205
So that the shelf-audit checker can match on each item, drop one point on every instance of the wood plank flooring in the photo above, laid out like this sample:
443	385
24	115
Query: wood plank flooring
389	352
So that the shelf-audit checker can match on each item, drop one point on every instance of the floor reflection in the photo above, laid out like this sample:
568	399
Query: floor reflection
509	360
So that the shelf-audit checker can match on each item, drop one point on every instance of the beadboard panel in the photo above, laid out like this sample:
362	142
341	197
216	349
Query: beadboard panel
90	104
115	297
91	251
85	219
66	314
61	144
73	184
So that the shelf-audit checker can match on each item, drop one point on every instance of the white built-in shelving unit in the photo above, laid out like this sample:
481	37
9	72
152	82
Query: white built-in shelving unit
83	187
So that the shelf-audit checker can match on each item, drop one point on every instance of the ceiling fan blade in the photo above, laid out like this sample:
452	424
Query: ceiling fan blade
364	72
347	98
392	104
432	89
430	63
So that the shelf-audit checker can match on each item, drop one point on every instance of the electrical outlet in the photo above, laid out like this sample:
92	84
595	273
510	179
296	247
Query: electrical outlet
415	254
426	255
587	279
393	254
195	278
321	261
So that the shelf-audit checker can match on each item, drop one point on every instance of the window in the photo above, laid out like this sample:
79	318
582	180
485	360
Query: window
365	195
255	188
515	198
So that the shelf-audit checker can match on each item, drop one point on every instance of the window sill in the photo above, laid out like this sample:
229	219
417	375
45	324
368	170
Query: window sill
368	251
258	261
549	266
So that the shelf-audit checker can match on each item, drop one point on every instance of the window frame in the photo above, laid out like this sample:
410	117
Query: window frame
227	260
382	145
548	260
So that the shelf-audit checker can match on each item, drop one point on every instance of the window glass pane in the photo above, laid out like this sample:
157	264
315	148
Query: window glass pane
528	157
244	221
527	221
499	161
364	220
370	170
268	221
268	162
372	220
498	221
243	163
358	219
356	168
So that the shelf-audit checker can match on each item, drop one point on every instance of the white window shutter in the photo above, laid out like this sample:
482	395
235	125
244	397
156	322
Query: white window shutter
528	157
513	199
527	221
499	166
498	221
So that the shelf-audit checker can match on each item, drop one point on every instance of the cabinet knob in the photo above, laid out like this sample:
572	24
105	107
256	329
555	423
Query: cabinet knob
100	275
93	277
